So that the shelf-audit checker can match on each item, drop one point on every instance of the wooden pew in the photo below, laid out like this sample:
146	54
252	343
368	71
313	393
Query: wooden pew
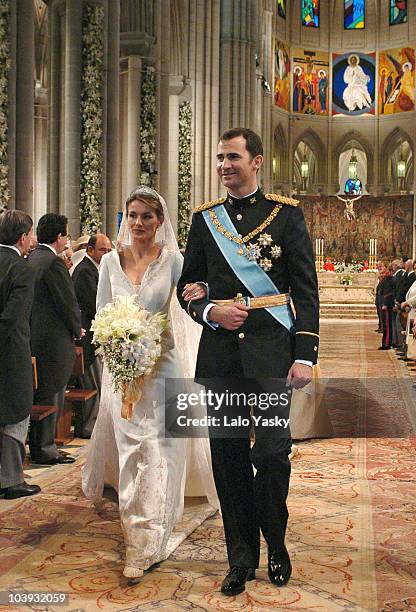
38	413
73	399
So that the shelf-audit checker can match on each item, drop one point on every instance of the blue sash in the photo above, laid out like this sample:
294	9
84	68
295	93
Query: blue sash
248	272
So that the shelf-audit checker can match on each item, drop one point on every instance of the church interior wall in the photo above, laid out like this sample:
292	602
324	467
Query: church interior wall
220	57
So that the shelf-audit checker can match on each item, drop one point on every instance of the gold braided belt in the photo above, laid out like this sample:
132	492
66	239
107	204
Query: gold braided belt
266	301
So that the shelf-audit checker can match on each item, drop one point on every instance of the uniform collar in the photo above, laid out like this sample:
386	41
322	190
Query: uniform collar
247	201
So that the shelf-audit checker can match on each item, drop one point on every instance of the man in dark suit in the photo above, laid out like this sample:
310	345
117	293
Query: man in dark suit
252	249
55	323
85	279
402	287
16	379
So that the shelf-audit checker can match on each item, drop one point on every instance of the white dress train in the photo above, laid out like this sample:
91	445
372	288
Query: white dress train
148	471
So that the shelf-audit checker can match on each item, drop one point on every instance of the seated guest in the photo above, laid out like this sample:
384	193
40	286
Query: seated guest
16	379
55	322
85	279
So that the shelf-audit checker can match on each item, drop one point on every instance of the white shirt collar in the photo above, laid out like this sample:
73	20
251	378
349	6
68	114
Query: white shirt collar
91	259
49	247
11	246
245	196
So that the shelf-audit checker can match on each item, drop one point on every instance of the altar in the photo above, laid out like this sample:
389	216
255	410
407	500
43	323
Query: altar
347	287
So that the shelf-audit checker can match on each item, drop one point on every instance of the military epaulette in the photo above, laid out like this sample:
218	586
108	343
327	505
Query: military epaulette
207	205
281	199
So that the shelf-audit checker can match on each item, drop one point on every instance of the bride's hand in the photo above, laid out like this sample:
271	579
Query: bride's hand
193	291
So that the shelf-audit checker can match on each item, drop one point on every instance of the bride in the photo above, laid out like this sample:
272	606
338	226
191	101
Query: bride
148	471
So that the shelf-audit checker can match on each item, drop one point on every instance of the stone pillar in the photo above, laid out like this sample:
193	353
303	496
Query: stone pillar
207	97
65	129
239	20
41	153
267	103
25	85
71	114
54	153
112	199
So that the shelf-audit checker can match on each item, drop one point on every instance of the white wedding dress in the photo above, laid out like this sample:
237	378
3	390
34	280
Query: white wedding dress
148	471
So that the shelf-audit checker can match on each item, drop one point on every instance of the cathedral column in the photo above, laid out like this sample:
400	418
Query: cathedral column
112	198
267	102
238	70
207	96
84	36
24	18
71	117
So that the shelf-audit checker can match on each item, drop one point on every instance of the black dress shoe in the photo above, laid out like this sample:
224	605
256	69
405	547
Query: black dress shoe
235	581
279	567
58	459
21	490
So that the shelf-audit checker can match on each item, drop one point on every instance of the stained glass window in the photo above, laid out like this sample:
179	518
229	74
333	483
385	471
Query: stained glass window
398	11
310	13
281	8
353	187
354	11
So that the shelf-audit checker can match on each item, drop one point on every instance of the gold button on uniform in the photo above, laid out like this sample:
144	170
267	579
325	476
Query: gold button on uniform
315	348
241	336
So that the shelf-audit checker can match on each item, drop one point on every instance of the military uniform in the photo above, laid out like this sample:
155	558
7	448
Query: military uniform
272	231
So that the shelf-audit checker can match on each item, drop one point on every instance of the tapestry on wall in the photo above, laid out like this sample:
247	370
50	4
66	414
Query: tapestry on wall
396	81
388	219
353	84
310	82
282	76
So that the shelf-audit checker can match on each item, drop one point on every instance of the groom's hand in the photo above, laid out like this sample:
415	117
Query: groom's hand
229	317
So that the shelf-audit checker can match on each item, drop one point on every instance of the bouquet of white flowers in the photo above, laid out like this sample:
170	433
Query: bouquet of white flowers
129	340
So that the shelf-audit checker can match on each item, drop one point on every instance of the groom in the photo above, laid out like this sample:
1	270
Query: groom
245	245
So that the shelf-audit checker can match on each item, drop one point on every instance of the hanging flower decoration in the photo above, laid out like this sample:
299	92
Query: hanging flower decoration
5	63
91	196
184	174
148	127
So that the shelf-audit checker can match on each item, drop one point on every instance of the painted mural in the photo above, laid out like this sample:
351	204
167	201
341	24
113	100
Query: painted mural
387	218
281	93
396	81
353	84
310	82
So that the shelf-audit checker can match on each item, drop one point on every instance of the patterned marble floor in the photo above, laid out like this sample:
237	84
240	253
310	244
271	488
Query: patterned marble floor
352	529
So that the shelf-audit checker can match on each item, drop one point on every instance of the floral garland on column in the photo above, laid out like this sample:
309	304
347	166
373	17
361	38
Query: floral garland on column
5	64
148	127
91	196
184	174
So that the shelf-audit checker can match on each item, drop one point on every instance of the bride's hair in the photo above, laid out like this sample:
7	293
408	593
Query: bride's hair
149	196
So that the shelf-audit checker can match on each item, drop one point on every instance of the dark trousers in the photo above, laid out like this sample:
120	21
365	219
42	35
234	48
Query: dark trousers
42	433
251	503
380	316
387	328
12	453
